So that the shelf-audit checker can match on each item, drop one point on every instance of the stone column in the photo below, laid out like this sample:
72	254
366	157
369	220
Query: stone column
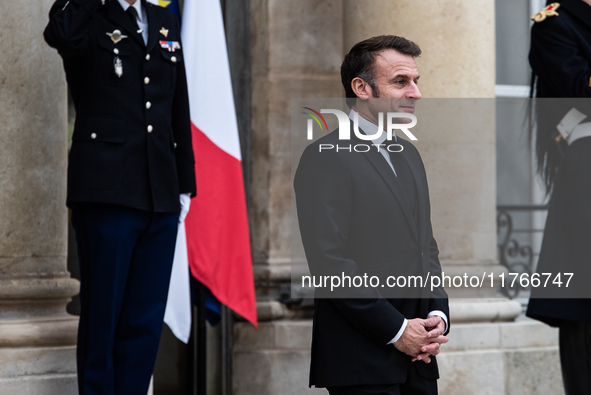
297	50
487	350
296	53
37	337
458	61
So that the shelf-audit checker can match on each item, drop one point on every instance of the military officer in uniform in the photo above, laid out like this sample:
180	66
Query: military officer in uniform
560	57
130	178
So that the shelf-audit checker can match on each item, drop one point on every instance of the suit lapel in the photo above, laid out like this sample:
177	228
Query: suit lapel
120	18
422	194
382	167
154	24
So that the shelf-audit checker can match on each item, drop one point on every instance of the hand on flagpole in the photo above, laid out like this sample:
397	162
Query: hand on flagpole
185	203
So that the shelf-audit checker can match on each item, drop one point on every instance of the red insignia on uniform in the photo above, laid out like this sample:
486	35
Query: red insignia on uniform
550	10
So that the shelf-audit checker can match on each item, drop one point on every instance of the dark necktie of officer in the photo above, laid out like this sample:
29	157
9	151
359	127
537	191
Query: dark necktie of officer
133	15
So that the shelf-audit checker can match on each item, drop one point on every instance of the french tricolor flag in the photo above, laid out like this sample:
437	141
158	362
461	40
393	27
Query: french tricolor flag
214	241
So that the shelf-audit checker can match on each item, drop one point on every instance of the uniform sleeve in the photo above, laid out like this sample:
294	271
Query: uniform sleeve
324	202
181	127
557	60
68	26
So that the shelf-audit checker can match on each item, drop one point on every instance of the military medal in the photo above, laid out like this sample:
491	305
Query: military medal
171	46
118	67
116	36
550	10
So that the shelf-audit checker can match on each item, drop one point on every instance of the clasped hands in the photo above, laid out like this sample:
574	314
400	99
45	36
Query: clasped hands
422	338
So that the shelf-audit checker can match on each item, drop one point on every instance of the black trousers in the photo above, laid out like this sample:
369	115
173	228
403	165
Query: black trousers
575	357
125	263
415	385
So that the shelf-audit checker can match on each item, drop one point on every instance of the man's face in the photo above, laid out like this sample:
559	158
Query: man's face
396	76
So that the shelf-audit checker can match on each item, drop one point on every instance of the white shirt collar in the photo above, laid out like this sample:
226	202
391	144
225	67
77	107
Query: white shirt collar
371	128
137	5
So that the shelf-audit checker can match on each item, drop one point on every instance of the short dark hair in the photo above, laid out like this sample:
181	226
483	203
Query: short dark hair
360	60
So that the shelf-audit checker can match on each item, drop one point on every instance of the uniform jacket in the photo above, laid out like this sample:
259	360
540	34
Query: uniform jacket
560	52
132	137
355	218
560	57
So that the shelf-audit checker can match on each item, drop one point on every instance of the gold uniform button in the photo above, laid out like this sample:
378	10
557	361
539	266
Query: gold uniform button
173	59
147	80
148	105
148	57
150	128
93	136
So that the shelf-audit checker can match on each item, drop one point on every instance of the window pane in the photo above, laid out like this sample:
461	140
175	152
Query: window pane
512	24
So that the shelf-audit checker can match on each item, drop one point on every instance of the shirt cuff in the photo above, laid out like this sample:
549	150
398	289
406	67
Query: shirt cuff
441	314
400	332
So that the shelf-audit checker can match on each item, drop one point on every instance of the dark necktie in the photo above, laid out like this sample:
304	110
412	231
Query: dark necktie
133	15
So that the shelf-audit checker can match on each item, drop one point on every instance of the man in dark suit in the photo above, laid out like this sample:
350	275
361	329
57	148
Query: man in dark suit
369	213
560	58
130	173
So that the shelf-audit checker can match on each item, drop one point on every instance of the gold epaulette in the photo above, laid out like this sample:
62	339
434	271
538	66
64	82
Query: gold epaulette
550	10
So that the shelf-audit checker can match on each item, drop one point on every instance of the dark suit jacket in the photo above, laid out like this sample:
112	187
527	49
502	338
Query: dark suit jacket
560	57
354	218
124	151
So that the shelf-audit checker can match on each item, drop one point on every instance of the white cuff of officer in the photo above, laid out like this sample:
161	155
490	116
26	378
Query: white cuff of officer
185	199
